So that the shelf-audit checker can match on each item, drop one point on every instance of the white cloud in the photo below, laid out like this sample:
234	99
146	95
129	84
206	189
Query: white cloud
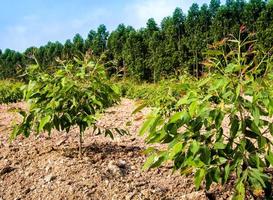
37	29
141	11
34	30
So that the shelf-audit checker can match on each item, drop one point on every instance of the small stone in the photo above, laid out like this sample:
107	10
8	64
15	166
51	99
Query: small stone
87	159
130	196
140	184
145	193
48	168
106	182
122	164
49	178
60	142
137	175
130	154
113	168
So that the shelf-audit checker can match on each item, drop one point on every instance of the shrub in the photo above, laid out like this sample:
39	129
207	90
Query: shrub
10	91
163	94
70	96
237	93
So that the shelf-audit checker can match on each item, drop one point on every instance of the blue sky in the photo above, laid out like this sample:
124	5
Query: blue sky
25	23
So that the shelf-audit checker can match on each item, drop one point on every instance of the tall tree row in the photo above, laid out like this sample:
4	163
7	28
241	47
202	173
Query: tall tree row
174	46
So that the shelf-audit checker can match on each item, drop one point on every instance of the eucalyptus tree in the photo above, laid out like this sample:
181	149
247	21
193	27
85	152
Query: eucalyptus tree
100	40
252	12
214	6
78	45
265	27
192	30
89	42
67	53
116	46
135	55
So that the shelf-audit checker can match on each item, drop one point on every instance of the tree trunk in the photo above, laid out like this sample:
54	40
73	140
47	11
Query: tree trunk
196	64
80	145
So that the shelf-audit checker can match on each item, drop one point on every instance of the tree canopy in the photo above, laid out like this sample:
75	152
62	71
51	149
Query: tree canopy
174	46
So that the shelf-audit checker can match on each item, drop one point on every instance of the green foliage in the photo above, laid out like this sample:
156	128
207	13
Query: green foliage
10	91
163	94
265	27
12	63
222	127
156	51
71	96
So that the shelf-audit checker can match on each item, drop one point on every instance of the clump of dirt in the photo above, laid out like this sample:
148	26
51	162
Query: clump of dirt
43	167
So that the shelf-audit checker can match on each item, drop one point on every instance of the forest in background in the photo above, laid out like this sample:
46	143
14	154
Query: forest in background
173	47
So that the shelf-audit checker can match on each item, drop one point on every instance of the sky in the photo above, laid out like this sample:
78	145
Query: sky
26	23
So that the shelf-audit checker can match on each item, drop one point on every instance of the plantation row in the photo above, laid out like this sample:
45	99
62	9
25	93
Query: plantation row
10	91
188	113
171	48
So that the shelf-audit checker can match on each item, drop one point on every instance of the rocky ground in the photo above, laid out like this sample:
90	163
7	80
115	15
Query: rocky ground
40	167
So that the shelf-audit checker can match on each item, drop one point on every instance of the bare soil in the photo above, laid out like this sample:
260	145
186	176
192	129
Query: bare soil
43	167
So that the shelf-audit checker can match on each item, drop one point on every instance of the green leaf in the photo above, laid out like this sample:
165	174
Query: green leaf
149	150
271	128
15	132
219	118
177	116
43	122
238	91
213	52
198	177
205	155
240	192
262	141
196	124
109	133
154	160
269	158
216	174
204	82
177	148
67	116
147	124
255	173
209	180
250	147
139	108
195	146
226	173
219	145
232	68
256	115
193	108
222	160
121	131
255	128
234	126
183	101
